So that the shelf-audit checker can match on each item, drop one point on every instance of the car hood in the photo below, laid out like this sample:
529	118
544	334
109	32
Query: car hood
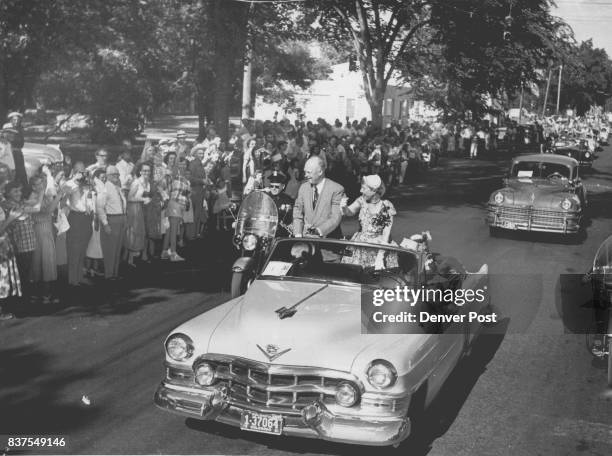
324	332
534	192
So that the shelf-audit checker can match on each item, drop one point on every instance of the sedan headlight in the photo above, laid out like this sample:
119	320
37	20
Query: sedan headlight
346	394
179	347
249	242
205	374
499	198
587	155
381	374
566	204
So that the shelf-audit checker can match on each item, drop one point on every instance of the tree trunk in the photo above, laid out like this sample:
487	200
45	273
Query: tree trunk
376	102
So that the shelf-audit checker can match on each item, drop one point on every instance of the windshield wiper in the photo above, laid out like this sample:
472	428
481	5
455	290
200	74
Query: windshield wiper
286	312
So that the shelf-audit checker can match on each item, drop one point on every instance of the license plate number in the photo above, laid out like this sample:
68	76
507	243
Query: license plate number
509	225
261	422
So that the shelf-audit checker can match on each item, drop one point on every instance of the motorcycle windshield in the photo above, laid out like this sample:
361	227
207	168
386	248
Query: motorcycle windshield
602	264
258	215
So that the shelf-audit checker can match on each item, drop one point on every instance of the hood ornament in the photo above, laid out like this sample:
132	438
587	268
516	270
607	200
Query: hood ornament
532	198
272	352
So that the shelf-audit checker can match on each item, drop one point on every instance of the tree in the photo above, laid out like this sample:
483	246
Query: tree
474	44
587	78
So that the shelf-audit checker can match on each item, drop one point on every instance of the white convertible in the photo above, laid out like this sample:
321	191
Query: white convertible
290	356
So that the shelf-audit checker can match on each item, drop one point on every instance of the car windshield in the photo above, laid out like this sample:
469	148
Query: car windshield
540	170
338	261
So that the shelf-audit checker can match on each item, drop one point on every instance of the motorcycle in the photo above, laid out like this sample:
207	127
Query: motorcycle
254	234
599	341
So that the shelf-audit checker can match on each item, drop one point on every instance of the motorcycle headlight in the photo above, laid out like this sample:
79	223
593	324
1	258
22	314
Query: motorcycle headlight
179	347
381	374
499	198
249	242
566	204
346	394
205	374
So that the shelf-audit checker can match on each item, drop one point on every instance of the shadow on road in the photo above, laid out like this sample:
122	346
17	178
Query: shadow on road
434	423
37	408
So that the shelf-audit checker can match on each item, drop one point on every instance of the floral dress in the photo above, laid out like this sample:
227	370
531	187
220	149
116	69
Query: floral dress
374	228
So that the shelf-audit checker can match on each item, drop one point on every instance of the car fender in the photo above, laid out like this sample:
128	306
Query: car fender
243	264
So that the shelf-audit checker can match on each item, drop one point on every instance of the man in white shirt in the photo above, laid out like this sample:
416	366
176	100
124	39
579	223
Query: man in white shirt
81	205
111	210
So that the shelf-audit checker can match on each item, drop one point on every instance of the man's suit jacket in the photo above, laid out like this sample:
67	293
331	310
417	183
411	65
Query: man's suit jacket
326	216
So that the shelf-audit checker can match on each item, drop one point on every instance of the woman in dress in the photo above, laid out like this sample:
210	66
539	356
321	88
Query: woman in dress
375	219
10	284
138	197
153	210
94	263
44	262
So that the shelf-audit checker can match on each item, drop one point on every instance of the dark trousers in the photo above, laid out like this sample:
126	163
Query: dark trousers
24	265
77	239
112	243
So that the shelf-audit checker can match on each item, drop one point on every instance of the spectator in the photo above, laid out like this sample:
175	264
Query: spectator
111	209
138	196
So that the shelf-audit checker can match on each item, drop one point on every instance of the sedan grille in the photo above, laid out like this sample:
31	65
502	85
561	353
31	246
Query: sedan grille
530	216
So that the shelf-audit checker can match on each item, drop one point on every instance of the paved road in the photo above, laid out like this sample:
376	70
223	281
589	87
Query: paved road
530	389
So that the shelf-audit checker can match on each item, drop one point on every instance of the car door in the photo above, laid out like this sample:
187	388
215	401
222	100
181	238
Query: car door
449	342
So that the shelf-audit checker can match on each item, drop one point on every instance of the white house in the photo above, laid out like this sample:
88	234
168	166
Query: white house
343	95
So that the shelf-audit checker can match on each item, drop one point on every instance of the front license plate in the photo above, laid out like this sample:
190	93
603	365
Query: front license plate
261	422
509	225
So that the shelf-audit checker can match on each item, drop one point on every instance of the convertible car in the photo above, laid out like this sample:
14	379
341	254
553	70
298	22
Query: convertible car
299	354
542	193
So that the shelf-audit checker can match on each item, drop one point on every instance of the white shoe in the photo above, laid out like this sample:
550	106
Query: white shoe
166	254
175	257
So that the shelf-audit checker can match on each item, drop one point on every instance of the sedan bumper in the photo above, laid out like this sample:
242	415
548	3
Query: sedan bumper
315	421
532	219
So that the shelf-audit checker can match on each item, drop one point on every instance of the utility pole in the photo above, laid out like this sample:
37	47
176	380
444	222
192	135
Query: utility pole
547	89
559	88
247	74
521	104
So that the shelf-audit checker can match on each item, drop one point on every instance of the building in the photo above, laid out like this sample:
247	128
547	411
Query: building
342	95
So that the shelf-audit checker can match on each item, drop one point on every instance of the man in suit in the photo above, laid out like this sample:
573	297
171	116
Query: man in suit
317	207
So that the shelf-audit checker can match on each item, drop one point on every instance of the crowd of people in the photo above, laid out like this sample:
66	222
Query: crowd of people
138	207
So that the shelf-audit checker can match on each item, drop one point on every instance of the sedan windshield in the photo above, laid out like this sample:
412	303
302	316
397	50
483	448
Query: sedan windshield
325	260
540	170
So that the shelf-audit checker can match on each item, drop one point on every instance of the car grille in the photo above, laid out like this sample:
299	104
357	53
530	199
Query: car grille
269	387
531	216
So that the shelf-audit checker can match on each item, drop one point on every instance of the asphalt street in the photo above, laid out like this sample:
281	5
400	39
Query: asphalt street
88	369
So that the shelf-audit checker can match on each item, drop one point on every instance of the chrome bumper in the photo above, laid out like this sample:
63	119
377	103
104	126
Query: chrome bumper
315	421
527	219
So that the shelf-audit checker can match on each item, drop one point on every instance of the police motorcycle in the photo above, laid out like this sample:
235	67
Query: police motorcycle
255	230
599	339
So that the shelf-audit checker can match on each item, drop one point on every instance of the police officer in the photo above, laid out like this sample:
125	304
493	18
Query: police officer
13	132
284	203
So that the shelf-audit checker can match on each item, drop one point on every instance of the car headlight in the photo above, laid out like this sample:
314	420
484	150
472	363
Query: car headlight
179	347
346	394
249	242
566	204
381	374
205	374
587	154
499	198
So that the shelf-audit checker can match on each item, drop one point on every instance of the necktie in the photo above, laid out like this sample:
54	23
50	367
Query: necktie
315	197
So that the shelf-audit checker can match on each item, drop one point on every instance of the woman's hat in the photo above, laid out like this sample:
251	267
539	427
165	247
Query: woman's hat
373	181
14	114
